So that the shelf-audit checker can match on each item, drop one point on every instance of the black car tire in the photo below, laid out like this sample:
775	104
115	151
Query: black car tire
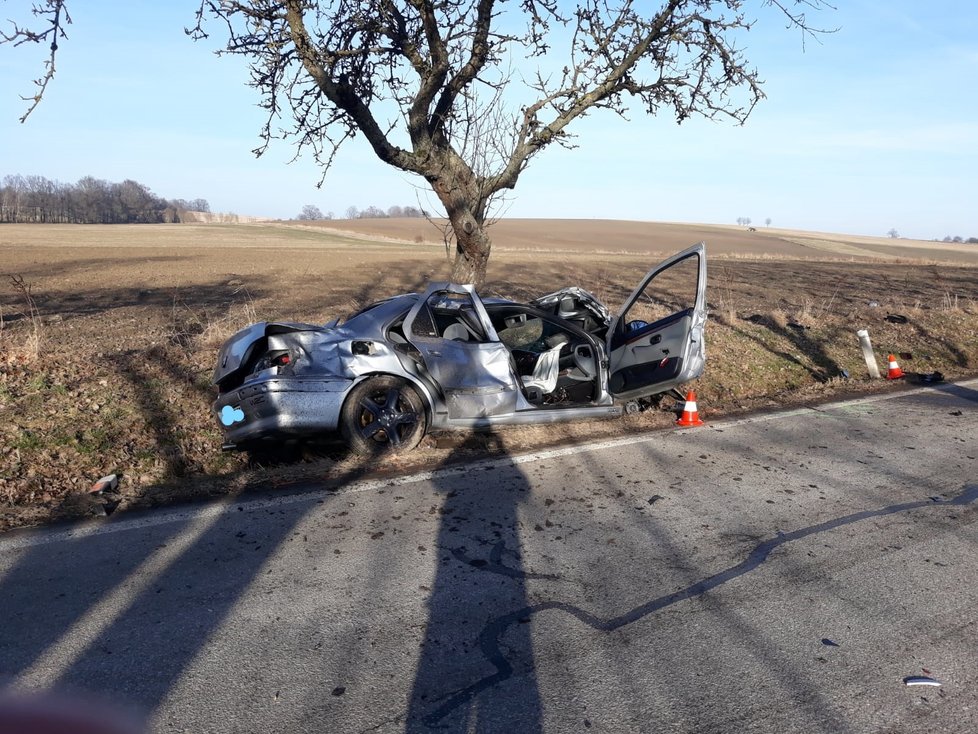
383	414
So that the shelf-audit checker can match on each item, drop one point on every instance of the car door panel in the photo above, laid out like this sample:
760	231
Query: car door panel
472	371
650	357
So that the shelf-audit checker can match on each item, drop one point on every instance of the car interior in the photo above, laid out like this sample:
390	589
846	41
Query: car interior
556	366
570	310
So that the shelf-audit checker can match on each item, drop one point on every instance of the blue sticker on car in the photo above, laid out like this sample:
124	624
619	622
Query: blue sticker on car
230	416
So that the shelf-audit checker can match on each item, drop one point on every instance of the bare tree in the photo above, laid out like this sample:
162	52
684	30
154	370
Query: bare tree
35	199
373	212
430	84
767	222
310	212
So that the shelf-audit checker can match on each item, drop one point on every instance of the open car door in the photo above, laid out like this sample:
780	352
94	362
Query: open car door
656	342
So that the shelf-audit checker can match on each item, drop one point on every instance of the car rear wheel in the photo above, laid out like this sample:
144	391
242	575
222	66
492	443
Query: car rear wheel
383	414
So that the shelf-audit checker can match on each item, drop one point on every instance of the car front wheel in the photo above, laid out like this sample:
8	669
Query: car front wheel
383	414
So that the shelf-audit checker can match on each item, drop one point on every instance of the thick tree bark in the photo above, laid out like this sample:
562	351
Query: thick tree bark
471	255
461	193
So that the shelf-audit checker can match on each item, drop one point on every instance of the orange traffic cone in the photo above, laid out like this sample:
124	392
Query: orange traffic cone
691	416
894	372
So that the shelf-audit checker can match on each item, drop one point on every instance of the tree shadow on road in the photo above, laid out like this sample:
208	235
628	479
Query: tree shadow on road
130	626
480	573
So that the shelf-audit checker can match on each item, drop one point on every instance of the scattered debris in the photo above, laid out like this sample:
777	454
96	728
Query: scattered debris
844	374
655	498
920	680
110	505
930	377
956	412
339	690
797	326
896	318
106	484
830	643
873	304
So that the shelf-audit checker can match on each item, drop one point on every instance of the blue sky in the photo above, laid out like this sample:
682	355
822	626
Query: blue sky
872	128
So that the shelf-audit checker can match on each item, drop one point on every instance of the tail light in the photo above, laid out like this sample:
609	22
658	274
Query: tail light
272	359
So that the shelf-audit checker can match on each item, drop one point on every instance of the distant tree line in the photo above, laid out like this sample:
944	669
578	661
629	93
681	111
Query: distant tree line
960	240
35	199
311	212
373	212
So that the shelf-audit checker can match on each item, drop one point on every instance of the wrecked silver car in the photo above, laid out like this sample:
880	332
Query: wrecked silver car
448	358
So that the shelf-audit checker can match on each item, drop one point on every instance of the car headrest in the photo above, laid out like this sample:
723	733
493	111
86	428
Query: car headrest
456	332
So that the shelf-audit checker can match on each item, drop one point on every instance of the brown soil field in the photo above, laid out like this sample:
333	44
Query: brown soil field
108	335
615	237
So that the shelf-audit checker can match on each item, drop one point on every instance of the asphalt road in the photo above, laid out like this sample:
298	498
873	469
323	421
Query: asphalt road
783	573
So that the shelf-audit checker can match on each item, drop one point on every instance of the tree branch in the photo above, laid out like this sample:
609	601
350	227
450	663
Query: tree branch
57	17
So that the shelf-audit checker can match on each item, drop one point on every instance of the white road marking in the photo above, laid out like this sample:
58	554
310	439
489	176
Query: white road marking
90	626
30	538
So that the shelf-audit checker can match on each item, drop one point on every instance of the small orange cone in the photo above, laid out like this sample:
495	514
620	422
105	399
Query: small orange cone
691	416
894	372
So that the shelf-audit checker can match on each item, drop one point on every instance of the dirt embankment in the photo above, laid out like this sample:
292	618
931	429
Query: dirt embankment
108	337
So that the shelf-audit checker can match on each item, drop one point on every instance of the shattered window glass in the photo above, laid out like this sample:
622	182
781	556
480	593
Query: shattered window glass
453	316
424	324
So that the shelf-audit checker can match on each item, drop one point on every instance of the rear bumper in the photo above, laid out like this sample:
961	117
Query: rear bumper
280	408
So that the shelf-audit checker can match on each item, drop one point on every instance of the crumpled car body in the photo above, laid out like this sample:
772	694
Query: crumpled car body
450	359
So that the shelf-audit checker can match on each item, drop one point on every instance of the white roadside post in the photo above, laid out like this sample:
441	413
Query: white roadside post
874	370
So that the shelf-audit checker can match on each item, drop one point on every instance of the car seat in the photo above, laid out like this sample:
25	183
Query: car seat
545	371
456	332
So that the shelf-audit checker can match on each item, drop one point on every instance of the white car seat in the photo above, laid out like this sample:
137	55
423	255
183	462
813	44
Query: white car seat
456	332
545	371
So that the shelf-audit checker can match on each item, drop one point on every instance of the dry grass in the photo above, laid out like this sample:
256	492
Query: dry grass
29	346
207	331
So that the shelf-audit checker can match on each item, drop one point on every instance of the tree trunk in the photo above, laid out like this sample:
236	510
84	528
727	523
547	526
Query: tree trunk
471	253
459	191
